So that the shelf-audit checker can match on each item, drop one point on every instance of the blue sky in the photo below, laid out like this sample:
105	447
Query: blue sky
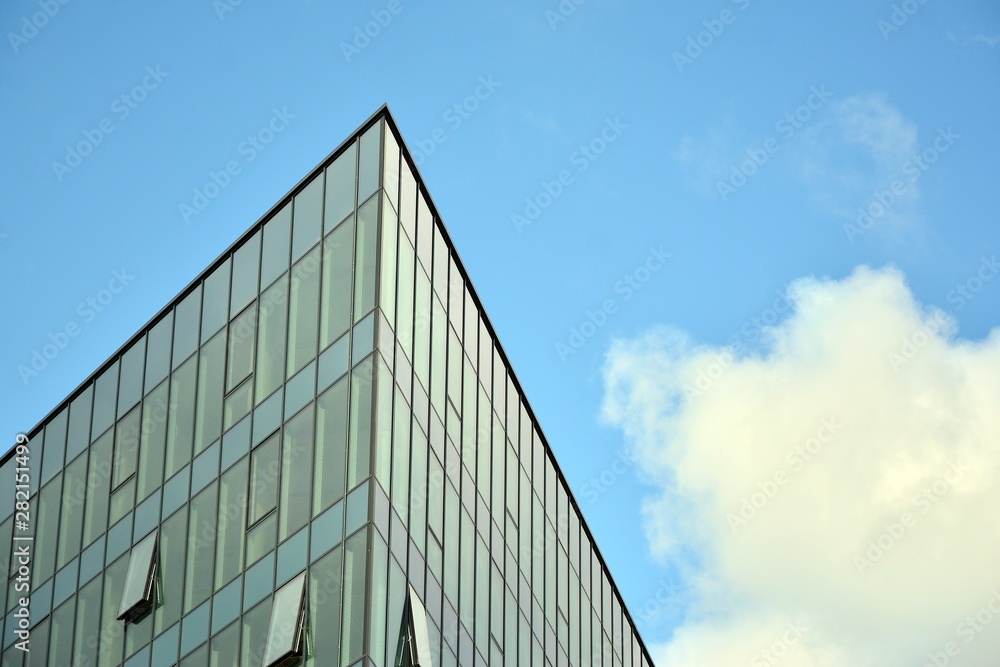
636	187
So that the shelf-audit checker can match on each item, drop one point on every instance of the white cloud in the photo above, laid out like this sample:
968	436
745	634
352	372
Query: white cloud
844	479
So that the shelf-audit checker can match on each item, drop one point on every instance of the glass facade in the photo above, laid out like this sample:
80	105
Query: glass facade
317	454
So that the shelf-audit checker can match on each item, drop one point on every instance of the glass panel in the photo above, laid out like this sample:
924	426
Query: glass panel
300	390
88	624
277	237
241	343
152	441
387	298
439	356
215	301
308	218
425	225
237	404
331	446
54	446
407	200
360	448
246	267
355	585
401	459
225	650
271	338
173	546
78	435
363	337
284	632
95	520
194	628
404	302
138	588
211	386
180	427
341	177
338	272
258	582
369	165
379	598
105	393
267	417
61	635
334	362
226	605
296	473
71	524
126	448
201	547
165	648
263	479
390	174
232	519
292	556
186	326
205	469
46	530
366	259
158	351
327	530
383	422
255	633
302	312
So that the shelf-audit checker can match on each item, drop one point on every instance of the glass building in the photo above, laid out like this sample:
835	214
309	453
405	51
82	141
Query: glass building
317	454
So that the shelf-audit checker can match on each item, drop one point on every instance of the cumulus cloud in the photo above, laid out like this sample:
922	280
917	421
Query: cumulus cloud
833	496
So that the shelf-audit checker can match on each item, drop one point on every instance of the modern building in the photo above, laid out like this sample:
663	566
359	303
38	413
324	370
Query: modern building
316	454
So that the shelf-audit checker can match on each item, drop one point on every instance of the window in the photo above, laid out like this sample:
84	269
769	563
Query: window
285	630
415	647
137	595
263	479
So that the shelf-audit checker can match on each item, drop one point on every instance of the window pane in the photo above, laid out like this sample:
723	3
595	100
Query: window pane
71	523
284	629
180	431
158	351
331	446
355	584
263	479
401	459
277	237
105	393
296	473
271	338
338	272
422	332
95	520
173	546
242	333
201	547
360	449
425	225
152	441
325	589
302	312
255	633
369	164
47	530
379	598
246	268
61	634
237	405
211	386
366	260
130	382
308	218
138	579
54	446
88	615
407	200
387	297
390	176
383	425
439	360
215	301
186	325
126	448
232	519
225	650
78	434
341	178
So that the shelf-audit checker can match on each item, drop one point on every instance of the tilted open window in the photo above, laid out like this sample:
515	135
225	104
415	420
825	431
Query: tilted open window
414	644
286	630
137	594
